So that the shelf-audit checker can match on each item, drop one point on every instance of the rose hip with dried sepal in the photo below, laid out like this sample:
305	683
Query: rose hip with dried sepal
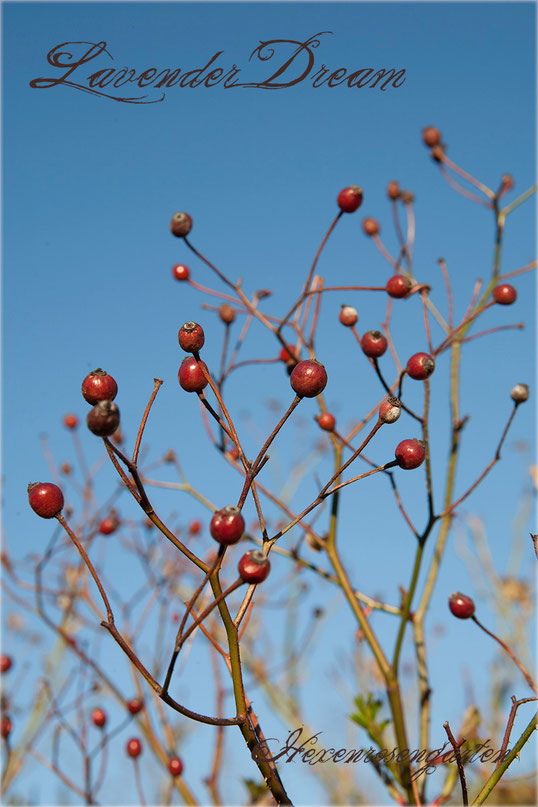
520	393
190	375
410	453
420	366
348	315
461	605
373	344
254	566
103	419
227	525
181	225
398	286
308	378
99	386
390	410
349	199
45	499
191	337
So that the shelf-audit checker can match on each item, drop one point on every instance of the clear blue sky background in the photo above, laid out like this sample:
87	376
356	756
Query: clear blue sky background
89	188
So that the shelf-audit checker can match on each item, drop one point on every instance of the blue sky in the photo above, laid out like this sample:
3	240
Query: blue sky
90	185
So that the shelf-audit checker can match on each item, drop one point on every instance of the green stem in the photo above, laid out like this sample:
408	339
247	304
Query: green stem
501	770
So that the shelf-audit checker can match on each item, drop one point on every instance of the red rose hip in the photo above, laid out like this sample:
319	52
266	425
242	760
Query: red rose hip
348	315
190	375
227	525
181	225
6	726
431	136
349	199
70	421
254	566
108	525
398	286
410	454
226	313
504	294
420	366
373	344
99	386
181	272
135	705
191	337
99	718
326	421
175	766
308	378
390	410
393	190
5	663
133	747
461	605
103	419
370	226
45	499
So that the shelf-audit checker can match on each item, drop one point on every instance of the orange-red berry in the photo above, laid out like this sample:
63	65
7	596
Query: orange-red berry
5	663
191	337
175	766
393	190
373	344
370	226
108	525
70	421
398	286
227	525
135	705
190	375
348	315
326	421
254	566
134	747
431	136
99	718
181	272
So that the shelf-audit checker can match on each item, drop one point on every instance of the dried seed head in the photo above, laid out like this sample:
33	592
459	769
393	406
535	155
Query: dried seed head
520	393
390	410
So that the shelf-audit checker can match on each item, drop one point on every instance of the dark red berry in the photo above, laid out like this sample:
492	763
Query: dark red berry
308	378
99	718
135	705
45	499
393	190
398	286
226	313
326	421
227	525
461	605
134	747
431	136
373	344
181	272
181	225
191	337
504	294
420	366
390	410
350	199
348	315
5	663
70	421
520	393
195	527
410	453
103	419
175	766
6	726
99	386
370	226
190	375
108	525
254	566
